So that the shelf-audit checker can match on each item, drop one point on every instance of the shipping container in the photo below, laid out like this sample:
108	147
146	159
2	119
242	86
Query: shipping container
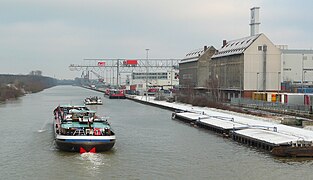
305	90
261	96
273	96
294	98
308	99
133	87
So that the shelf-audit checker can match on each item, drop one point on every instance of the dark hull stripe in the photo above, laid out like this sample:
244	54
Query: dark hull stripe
75	146
86	140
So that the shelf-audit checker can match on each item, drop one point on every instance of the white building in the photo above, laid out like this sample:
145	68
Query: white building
165	79
297	66
246	65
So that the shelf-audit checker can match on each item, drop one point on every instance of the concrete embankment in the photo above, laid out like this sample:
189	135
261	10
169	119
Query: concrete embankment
150	101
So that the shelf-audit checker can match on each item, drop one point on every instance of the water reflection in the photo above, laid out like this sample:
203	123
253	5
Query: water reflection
294	160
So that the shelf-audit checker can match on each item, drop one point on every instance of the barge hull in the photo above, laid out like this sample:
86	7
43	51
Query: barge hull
73	146
117	97
289	151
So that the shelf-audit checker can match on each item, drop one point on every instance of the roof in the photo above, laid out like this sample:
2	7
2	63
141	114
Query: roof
193	55
234	47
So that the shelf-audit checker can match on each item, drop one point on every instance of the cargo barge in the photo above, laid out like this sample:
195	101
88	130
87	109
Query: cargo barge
274	139
78	129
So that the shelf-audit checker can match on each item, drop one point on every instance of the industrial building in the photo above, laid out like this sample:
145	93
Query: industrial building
194	69
164	79
297	66
237	69
245	65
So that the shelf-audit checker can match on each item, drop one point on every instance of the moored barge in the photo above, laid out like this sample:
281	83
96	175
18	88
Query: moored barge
279	140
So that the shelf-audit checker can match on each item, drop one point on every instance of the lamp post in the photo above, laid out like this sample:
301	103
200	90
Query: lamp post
302	72
110	77
117	73
218	94
304	78
113	79
147	71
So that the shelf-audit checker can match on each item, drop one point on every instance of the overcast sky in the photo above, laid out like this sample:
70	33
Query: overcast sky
49	35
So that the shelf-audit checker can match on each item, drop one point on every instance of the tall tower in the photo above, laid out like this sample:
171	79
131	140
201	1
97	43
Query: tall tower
254	22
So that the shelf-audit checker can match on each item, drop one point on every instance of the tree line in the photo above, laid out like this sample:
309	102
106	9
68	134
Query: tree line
13	86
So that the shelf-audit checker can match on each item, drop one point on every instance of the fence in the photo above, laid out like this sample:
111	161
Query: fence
272	106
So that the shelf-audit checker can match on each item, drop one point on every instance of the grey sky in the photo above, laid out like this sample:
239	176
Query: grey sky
49	35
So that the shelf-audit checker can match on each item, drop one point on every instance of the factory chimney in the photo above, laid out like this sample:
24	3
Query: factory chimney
254	22
224	42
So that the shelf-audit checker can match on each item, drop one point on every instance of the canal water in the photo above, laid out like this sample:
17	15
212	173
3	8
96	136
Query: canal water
150	145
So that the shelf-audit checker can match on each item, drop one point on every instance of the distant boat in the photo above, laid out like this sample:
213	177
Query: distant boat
116	94
93	101
78	129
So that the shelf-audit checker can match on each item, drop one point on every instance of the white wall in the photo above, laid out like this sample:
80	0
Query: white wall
292	66
159	82
253	65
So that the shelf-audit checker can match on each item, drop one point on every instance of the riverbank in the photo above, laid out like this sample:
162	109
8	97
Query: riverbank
14	86
7	92
174	106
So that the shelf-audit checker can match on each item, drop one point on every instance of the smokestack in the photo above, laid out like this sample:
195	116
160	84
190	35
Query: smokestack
224	43
205	48
254	22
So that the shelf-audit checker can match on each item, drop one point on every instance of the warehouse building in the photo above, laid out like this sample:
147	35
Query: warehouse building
245	65
194	69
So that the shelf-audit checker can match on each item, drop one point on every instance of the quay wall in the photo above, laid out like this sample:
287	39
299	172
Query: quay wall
291	134
151	104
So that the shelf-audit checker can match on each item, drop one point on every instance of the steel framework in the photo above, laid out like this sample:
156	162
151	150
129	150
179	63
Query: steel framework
114	67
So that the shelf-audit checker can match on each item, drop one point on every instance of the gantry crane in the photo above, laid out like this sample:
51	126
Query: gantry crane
117	66
100	78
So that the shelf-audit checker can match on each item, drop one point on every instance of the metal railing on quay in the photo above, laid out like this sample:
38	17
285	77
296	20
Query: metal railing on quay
273	106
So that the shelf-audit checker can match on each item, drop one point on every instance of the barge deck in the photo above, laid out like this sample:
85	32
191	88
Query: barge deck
279	140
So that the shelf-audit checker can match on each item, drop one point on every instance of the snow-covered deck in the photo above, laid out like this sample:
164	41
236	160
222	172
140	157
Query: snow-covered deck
224	124
256	127
191	116
268	136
